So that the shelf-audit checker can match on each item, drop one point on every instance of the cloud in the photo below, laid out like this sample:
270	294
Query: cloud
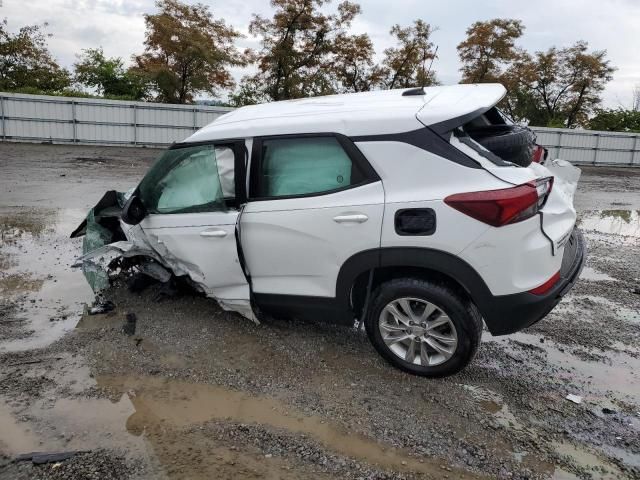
118	26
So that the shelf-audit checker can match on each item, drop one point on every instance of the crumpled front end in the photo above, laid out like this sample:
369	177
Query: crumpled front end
111	246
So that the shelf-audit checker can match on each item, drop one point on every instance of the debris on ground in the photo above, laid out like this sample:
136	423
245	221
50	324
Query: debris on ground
102	306
129	327
39	458
577	399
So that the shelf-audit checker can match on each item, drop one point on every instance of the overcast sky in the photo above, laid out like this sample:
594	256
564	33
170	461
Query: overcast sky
118	26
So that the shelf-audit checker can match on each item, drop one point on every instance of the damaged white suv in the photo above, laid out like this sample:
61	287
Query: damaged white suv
415	211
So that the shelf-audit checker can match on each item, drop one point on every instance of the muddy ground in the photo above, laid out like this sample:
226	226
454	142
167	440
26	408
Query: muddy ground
197	392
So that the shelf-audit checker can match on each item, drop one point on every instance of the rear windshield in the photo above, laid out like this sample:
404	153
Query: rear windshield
494	136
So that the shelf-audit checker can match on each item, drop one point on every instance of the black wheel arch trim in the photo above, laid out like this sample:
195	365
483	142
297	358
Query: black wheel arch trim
437	260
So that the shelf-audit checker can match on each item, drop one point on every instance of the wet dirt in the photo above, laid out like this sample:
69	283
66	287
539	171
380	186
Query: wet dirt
197	392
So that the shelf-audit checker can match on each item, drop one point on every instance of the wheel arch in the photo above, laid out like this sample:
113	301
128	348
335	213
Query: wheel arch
397	262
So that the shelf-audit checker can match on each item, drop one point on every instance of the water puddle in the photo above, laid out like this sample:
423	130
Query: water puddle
160	404
14	437
617	376
493	403
586	460
36	255
624	223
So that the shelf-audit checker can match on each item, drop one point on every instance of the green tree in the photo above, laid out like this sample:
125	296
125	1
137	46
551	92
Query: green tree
559	87
616	120
108	76
298	44
27	64
187	51
406	65
489	49
352	66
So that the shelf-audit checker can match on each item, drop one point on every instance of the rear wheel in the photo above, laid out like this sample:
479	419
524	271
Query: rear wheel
423	328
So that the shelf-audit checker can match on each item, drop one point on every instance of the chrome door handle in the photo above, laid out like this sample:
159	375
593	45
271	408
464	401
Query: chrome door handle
214	233
351	218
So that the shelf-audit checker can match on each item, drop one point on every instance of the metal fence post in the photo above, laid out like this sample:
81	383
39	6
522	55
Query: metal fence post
559	144
4	127
635	150
135	124
73	119
595	150
195	119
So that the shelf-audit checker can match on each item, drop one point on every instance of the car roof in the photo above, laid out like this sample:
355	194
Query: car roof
351	114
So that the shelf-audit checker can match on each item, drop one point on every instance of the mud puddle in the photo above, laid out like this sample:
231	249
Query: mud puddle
618	376
161	403
622	223
35	255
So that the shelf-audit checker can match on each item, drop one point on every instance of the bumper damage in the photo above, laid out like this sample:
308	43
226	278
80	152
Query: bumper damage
511	313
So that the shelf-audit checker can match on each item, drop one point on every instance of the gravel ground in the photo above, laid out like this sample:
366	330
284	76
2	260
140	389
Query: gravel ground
197	392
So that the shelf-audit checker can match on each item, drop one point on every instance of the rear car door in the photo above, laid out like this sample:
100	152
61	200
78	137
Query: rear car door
314	202
192	197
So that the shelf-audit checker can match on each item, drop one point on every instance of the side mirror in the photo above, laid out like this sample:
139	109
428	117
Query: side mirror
133	211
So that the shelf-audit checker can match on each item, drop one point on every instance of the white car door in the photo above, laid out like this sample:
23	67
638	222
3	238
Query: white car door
191	198
314	202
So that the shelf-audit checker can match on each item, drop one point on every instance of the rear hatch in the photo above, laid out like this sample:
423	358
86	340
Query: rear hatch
471	110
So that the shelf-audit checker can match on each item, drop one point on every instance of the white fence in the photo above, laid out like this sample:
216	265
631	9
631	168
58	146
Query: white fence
590	146
39	118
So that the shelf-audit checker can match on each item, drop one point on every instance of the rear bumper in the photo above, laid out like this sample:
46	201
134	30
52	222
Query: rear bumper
506	314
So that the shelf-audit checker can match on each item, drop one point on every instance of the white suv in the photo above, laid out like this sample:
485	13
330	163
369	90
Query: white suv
381	206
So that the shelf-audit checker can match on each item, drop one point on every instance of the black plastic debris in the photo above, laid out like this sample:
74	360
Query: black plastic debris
129	327
102	306
138	282
39	458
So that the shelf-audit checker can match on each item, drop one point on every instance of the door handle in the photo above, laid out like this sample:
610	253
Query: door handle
351	218
214	233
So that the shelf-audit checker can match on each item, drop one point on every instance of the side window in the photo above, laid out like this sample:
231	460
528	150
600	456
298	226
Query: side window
304	166
190	179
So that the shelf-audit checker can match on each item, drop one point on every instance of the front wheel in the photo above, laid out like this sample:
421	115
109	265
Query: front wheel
423	327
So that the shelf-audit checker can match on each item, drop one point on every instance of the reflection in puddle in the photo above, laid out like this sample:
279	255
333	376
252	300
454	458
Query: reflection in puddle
616	222
36	255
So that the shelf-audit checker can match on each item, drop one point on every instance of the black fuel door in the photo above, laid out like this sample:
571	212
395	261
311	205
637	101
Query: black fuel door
415	221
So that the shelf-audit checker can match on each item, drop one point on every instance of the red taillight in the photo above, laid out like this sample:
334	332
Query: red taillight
504	206
538	154
546	286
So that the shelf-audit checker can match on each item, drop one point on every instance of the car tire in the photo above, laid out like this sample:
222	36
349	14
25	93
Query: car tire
512	143
463	315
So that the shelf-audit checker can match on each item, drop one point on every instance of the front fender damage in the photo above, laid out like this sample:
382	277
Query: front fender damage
111	247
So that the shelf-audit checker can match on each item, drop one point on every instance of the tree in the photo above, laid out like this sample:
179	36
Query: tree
187	52
26	63
352	67
618	120
635	102
108	75
405	65
489	49
297	54
559	87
